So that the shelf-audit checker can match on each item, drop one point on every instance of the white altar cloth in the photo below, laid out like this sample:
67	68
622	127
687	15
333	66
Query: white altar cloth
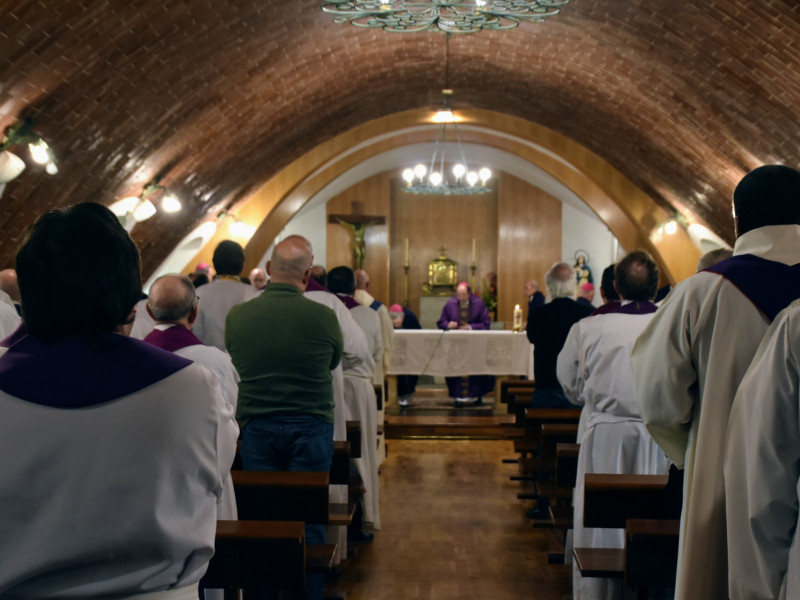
460	352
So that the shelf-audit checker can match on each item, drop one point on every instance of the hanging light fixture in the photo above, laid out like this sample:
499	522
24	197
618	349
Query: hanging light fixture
411	16
22	133
136	209
436	179
238	228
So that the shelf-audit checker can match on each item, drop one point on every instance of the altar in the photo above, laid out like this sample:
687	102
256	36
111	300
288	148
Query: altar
458	352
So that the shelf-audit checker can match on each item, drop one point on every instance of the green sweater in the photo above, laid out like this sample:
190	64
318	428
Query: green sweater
284	347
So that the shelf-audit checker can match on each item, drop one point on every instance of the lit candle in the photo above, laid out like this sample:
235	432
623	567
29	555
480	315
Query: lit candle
406	251
473	251
517	318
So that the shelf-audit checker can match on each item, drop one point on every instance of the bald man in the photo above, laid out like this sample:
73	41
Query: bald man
173	306
286	403
258	279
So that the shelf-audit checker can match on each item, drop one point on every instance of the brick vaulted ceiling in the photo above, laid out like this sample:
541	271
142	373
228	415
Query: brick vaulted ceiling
682	98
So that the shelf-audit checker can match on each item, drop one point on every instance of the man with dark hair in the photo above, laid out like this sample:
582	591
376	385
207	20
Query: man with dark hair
173	306
286	402
360	402
690	359
466	311
607	292
218	297
95	425
594	371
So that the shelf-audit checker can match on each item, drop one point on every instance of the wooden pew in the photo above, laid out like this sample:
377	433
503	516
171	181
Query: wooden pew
530	442
354	437
287	496
264	555
648	507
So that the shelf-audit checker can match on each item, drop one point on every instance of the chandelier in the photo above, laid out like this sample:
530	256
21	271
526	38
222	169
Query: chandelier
410	16
434	179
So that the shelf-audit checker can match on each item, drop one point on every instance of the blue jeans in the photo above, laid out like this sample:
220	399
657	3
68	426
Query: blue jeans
291	443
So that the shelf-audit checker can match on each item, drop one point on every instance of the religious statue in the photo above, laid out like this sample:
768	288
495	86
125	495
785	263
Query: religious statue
358	222
583	274
359	245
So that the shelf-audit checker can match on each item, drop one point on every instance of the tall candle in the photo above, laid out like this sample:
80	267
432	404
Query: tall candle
406	251
473	251
517	318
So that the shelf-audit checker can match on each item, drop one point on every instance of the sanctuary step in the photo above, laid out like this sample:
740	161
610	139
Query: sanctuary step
450	426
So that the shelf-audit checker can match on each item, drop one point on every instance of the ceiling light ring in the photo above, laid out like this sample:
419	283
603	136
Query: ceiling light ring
411	16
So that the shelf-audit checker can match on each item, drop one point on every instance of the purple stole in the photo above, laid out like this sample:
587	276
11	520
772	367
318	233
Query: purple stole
173	338
349	301
771	286
81	371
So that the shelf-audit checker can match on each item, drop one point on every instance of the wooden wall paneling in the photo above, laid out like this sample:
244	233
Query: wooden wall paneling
529	241
430	222
372	197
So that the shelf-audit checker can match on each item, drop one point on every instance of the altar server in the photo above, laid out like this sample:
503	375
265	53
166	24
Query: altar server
112	452
595	372
690	359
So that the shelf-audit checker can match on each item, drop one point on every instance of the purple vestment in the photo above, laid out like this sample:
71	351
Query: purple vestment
478	318
478	313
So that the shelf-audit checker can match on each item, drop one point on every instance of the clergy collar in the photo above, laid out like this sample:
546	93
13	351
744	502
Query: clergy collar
80	372
773	242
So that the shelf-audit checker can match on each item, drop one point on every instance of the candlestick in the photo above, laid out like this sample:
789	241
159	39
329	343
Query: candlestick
406	251
517	318
473	251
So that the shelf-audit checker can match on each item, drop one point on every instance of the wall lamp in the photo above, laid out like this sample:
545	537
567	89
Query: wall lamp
21	133
135	209
238	228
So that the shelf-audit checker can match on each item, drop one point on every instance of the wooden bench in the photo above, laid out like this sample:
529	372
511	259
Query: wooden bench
354	437
265	555
287	496
567	464
648	508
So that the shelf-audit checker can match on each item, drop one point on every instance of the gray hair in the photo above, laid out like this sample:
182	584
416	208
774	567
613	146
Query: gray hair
291	258
174	305
712	257
560	281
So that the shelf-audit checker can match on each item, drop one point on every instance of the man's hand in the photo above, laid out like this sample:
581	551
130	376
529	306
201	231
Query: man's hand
452	325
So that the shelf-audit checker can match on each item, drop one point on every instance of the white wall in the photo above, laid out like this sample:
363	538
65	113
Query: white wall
312	225
580	231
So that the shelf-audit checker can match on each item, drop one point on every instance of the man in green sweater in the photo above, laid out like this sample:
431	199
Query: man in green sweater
284	347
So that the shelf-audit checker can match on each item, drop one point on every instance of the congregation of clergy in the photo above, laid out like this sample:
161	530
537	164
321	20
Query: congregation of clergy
707	383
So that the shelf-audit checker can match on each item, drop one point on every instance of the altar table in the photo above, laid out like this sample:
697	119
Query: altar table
459	352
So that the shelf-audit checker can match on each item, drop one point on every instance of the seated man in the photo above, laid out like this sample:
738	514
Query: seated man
113	451
403	318
466	311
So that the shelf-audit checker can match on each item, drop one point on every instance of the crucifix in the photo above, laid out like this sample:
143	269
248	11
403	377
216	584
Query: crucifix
358	222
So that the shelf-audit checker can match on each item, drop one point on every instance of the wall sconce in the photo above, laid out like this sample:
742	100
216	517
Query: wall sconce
135	209
670	226
238	228
20	133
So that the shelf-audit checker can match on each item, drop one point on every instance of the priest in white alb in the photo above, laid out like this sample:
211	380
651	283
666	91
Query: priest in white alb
594	370
690	359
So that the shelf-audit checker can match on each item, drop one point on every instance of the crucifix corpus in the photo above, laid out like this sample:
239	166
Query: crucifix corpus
358	222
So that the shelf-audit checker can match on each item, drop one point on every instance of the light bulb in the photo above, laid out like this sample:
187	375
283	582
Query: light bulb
170	203
485	173
472	178
435	178
39	151
143	211
51	168
408	175
444	116
671	227
459	170
420	171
